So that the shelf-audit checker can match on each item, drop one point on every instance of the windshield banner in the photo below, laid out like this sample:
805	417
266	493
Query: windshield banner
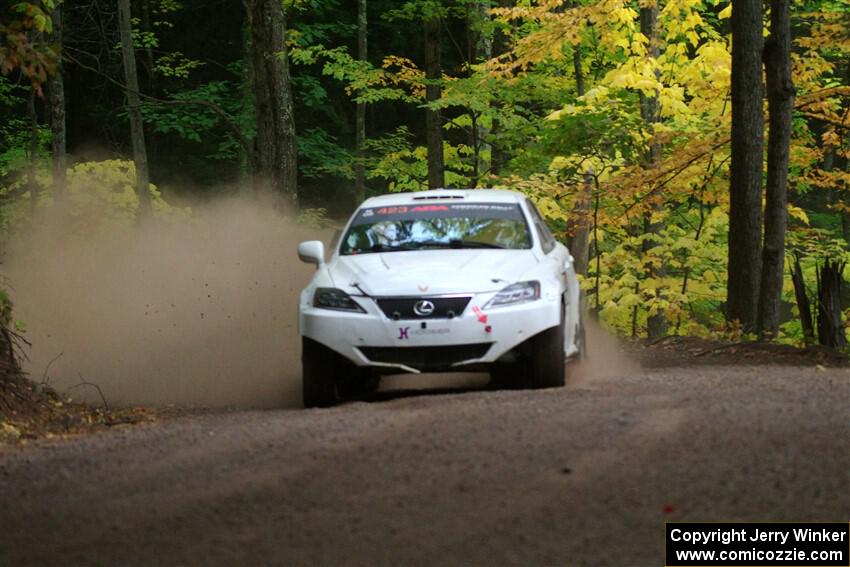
439	211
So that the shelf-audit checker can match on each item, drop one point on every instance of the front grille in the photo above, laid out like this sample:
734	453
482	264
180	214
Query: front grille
426	358
404	307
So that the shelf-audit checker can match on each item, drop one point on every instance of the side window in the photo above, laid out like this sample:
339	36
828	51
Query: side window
547	241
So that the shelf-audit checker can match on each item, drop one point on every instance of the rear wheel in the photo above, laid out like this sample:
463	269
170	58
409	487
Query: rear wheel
320	374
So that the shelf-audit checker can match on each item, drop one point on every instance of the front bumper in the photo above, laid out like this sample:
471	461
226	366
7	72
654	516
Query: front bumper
414	345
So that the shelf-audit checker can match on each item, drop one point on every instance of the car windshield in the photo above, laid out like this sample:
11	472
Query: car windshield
443	226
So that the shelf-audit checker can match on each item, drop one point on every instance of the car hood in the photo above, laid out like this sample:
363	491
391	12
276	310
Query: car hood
430	272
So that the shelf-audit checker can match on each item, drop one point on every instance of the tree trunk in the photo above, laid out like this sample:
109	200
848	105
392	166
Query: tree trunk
830	325
137	132
578	72
360	119
247	156
481	49
580	241
780	100
580	224
745	214
275	152
635	314
803	305
433	93
830	157
150	76
32	183
656	324
56	96
845	225
498	156
596	250
150	68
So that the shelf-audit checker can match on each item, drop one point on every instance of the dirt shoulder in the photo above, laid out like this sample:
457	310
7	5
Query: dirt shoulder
31	411
695	351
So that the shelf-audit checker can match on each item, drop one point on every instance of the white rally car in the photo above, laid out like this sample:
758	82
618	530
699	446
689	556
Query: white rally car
435	281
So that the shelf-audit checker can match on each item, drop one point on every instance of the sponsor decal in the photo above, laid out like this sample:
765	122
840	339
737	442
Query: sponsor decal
432	331
429	208
480	315
484	207
404	333
419	212
392	210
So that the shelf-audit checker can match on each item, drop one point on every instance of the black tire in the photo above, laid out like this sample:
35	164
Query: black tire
507	375
320	374
359	384
546	366
542	364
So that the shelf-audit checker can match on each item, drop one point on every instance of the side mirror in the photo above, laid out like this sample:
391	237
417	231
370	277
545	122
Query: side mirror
312	252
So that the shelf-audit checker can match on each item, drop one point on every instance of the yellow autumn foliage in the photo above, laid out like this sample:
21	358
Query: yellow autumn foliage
100	196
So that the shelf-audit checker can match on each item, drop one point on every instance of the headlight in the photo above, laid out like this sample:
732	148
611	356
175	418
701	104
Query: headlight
332	298
515	293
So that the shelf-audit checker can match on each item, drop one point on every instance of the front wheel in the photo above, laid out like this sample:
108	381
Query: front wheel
320	369
359	384
542	364
546	365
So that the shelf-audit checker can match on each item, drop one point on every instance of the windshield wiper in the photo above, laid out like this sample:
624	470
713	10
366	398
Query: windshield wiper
475	244
390	248
459	243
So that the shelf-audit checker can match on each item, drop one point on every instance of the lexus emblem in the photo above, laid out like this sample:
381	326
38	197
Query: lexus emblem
423	308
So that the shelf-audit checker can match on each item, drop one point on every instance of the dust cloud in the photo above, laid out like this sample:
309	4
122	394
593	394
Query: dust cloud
606	360
200	312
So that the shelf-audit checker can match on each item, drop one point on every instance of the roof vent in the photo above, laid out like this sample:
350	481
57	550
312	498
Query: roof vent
437	197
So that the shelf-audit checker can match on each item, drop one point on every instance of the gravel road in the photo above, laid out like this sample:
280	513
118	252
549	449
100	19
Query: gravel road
585	475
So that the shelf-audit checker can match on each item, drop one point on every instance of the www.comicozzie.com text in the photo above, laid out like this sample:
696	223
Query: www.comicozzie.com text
726	536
